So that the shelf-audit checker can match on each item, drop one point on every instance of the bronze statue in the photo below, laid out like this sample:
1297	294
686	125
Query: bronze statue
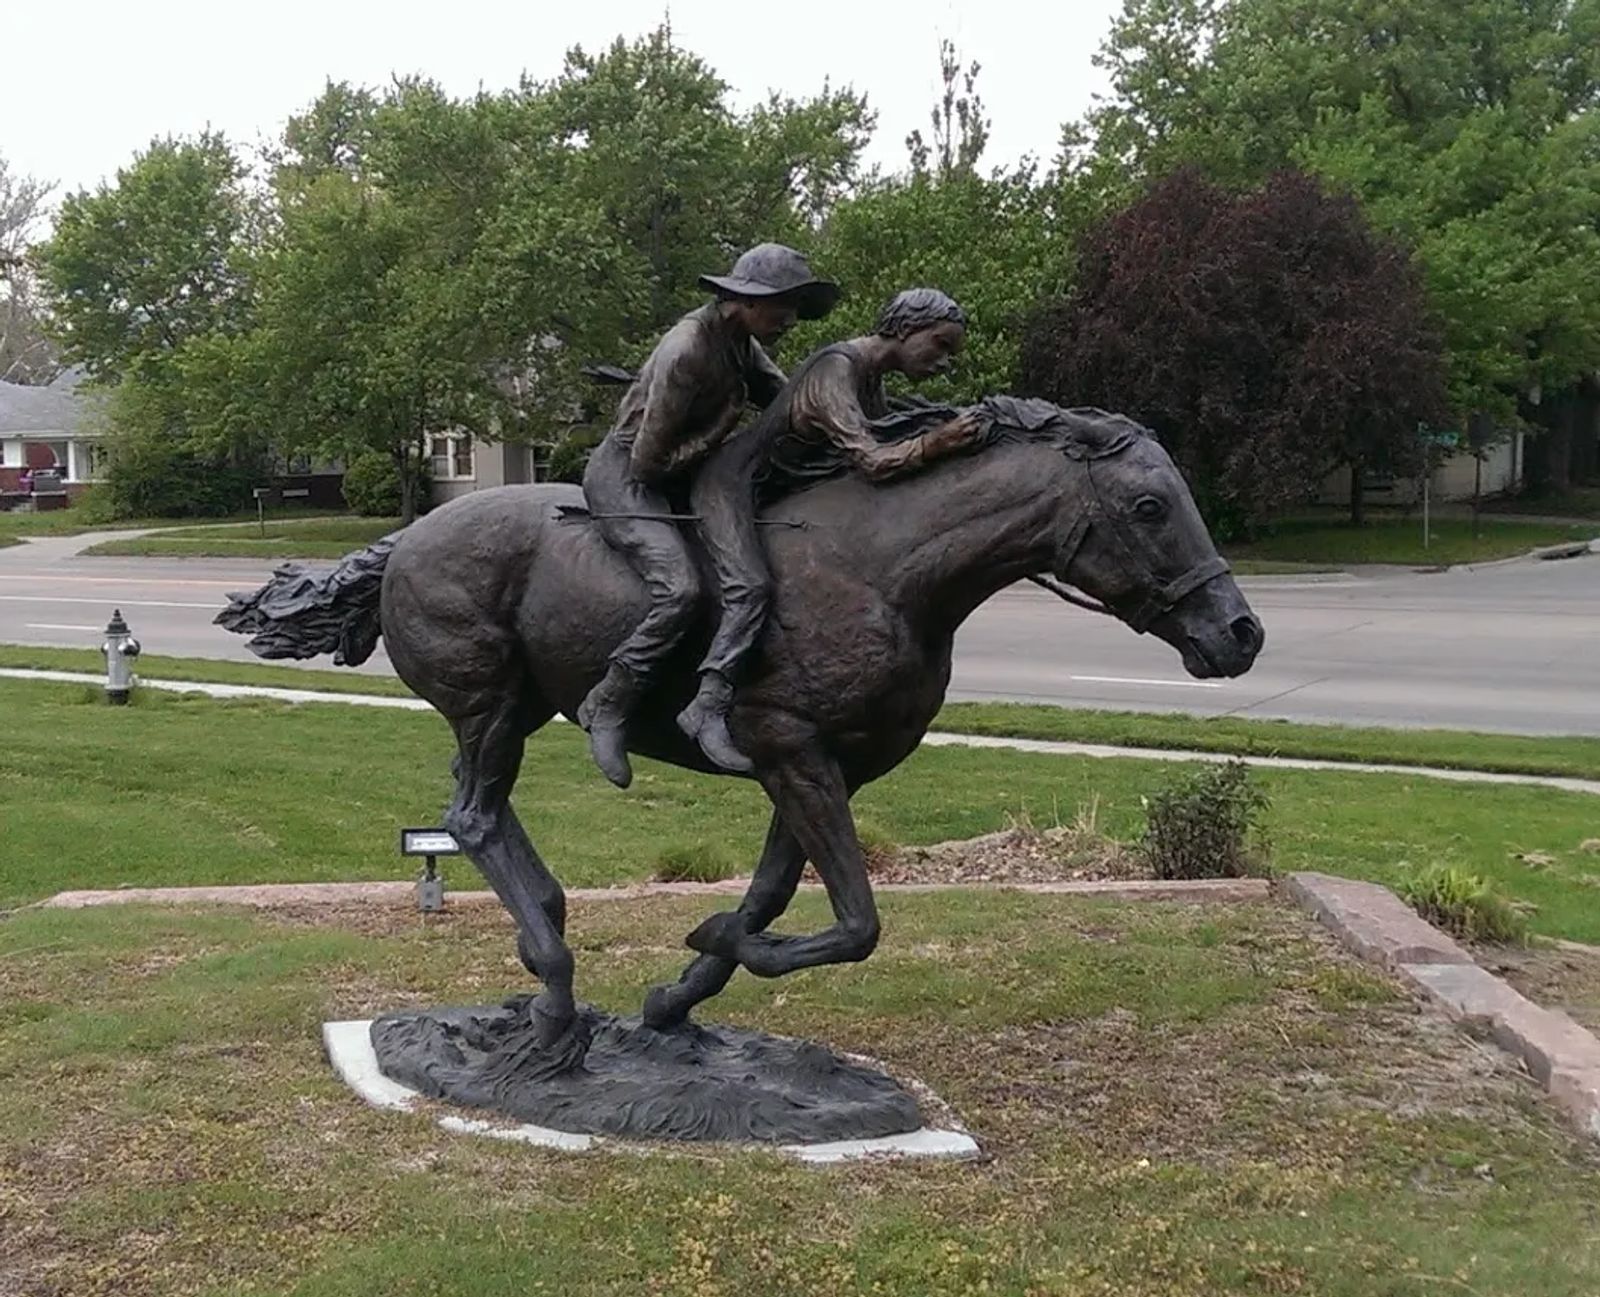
505	607
684	402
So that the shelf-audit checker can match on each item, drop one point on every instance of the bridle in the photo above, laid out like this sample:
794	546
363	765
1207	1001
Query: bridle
1163	598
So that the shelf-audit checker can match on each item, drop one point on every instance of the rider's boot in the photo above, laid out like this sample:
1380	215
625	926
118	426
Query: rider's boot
706	721
605	715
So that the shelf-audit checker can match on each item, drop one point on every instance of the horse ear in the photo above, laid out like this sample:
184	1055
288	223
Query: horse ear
1091	433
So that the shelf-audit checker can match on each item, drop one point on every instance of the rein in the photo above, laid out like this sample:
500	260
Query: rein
1163	597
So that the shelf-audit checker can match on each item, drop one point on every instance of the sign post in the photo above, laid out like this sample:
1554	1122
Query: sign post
430	844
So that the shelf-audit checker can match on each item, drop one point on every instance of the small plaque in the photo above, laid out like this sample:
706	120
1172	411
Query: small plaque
428	842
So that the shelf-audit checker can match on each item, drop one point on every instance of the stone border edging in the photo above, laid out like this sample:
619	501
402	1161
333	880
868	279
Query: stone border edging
273	895
932	739
1377	925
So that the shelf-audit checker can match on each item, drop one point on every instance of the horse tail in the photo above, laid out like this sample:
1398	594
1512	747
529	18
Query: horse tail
304	614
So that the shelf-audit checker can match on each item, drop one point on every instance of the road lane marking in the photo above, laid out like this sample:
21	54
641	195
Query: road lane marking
54	625
112	578
1132	680
120	603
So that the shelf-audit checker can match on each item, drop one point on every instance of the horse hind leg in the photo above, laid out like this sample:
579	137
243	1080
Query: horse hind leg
480	818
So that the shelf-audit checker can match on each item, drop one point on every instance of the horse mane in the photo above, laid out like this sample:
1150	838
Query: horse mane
1079	432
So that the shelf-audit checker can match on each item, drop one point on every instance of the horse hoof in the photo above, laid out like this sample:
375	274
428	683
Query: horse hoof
662	1012
559	1036
718	935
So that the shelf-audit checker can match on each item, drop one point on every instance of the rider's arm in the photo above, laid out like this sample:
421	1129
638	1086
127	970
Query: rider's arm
664	428
826	403
762	377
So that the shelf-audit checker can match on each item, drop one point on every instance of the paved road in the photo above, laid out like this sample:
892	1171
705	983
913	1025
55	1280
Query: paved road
1511	647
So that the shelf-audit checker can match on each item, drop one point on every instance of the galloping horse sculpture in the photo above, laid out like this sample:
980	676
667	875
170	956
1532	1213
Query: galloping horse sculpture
500	609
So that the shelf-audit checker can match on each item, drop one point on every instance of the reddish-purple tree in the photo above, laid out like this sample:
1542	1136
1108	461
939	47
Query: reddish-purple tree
1268	337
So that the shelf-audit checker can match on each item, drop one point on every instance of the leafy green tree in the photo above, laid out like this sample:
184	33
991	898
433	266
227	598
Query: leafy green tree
138	268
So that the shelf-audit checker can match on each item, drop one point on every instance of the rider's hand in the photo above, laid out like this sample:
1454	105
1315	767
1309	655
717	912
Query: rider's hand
967	426
959	433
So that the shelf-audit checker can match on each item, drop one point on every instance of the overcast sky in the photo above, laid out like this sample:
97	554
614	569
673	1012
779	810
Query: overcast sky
86	83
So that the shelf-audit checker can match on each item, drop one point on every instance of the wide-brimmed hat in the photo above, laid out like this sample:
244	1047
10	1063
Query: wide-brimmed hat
772	270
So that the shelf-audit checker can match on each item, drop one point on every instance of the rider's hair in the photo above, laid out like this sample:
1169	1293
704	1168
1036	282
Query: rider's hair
918	308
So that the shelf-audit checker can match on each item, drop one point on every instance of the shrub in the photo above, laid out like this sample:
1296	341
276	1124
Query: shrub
570	456
148	476
94	504
1464	905
1206	824
372	486
701	863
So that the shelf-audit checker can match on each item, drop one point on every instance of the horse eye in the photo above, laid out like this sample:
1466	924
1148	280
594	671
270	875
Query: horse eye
1149	508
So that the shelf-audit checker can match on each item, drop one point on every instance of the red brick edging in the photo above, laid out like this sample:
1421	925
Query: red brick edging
1377	925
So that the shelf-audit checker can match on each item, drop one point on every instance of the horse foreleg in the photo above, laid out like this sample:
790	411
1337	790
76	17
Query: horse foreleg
810	795
777	875
483	823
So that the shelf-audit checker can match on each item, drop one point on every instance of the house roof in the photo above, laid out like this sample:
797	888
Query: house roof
57	407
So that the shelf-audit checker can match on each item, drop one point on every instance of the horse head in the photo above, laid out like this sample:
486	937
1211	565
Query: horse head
1131	537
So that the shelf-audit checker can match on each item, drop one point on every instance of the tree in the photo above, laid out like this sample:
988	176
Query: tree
645	137
1466	129
988	242
138	268
149	290
960	126
994	242
427	274
1267	336
26	353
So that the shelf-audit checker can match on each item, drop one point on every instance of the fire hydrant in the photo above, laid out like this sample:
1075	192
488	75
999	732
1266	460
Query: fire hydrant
120	650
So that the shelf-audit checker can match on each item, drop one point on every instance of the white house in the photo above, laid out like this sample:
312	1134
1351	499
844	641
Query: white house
1453	479
48	428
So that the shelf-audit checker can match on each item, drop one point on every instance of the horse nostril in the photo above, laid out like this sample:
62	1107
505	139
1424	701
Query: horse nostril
1248	634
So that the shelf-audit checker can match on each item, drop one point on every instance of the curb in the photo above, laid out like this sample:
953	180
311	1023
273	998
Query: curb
1377	925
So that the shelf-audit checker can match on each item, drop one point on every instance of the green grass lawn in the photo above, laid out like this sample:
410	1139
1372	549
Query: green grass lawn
1391	539
185	790
1576	757
1580	502
324	537
1181	1101
70	522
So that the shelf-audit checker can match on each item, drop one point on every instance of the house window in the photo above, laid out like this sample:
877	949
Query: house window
89	461
451	458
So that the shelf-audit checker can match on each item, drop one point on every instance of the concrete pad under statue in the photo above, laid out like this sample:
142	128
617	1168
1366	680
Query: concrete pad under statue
634	1084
